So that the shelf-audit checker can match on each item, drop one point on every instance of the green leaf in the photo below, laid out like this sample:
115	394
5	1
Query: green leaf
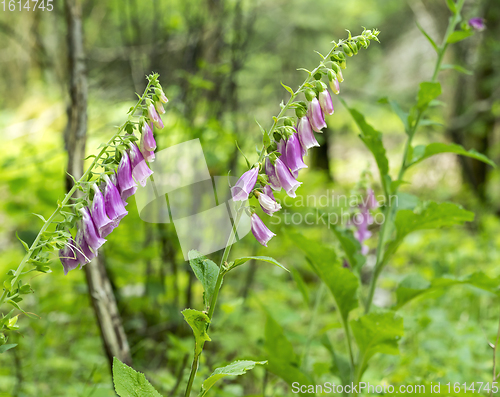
350	246
198	321
341	366
130	383
422	152
287	88
415	285
431	216
342	283
373	141
301	284
459	35
241	261
458	68
6	347
428	91
377	333
23	243
206	271
234	369
41	217
433	43
283	361
452	6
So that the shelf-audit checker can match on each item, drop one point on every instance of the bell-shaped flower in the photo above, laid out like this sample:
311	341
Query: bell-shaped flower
126	183
148	155
101	221
245	185
148	139
83	251
140	170
115	208
92	236
268	202
306	134
68	256
335	86
294	153
159	107
281	148
260	230
271	173
286	179
161	95
477	24
153	115
325	101
315	115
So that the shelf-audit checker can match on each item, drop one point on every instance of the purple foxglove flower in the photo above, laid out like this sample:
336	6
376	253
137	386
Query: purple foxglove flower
159	108
294	154
325	101
101	221
68	256
477	24
92	237
306	134
148	155
315	115
115	209
335	86
286	179
260	230
83	251
363	219
268	202
281	148
154	116
126	183
140	170
147	137
271	173
371	201
245	185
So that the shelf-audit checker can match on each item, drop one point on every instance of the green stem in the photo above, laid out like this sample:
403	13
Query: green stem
213	301
68	196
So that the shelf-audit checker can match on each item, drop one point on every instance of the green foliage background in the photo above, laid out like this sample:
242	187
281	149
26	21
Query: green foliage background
220	63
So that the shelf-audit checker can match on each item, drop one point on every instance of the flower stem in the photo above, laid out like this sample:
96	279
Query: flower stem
66	199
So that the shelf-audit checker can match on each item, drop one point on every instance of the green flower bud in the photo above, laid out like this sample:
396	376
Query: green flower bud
3	339
353	47
272	147
343	64
300	111
319	86
359	45
277	136
347	49
310	95
317	76
335	67
288	121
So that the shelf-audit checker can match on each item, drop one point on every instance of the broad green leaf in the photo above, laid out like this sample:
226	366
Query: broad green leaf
340	364
283	361
459	35
452	6
233	369
433	43
431	216
350	246
373	141
241	261
415	285
343	284
198	321
6	347
377	332
130	383
206	271
458	68
422	152
403	116
301	284
428	91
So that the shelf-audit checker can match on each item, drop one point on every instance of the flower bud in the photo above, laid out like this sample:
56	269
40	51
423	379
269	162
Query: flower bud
310	95
353	47
315	115
347	49
260	230
325	101
477	24
159	107
153	115
161	95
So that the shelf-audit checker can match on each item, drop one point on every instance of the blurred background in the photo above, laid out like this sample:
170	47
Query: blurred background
220	64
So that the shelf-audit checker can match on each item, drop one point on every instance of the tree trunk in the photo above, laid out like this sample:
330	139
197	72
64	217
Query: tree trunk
99	286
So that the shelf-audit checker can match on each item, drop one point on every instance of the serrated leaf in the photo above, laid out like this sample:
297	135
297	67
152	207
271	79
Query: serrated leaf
377	333
373	141
427	92
459	35
341	282
422	152
6	347
241	261
234	369
206	271
130	383
458	68
198	321
433	43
